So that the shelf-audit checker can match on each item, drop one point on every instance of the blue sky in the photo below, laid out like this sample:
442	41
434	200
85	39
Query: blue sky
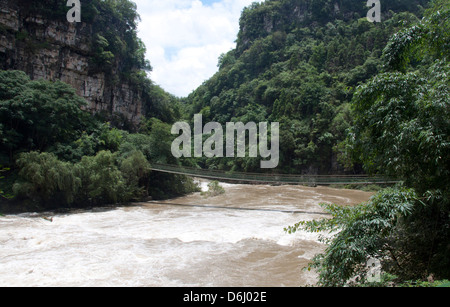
209	2
184	39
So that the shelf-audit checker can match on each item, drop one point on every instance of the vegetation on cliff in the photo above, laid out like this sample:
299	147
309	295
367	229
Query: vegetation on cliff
60	155
102	57
402	126
350	96
298	63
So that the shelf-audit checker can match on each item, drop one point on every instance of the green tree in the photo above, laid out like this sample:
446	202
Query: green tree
136	170
401	128
43	179
2	193
95	180
300	60
101	180
37	114
161	141
402	119
402	125
366	231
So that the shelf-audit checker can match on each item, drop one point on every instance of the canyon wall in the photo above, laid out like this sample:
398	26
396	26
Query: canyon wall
60	50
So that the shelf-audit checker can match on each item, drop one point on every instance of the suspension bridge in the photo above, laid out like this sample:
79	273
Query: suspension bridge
270	178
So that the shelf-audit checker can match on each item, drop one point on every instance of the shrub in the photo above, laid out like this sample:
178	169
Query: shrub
358	234
102	182
135	170
43	178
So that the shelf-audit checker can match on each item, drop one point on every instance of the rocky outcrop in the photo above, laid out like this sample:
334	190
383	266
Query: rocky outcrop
60	50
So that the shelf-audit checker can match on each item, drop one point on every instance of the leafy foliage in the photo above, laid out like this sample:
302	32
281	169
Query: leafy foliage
37	114
46	178
429	37
403	123
402	119
298	63
64	156
102	180
357	234
95	180
106	167
401	127
136	170
2	193
109	29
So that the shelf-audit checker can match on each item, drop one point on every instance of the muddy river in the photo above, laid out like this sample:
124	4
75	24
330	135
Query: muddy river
234	239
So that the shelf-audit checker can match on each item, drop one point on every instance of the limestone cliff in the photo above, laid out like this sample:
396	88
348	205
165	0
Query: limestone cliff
264	18
55	49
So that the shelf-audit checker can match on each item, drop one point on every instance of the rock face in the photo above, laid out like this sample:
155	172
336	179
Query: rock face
60	50
264	18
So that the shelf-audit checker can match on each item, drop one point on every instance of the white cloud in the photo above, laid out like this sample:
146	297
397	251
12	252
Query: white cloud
184	39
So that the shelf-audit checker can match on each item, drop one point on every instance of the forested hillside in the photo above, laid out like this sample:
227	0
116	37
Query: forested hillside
60	147
350	96
298	62
101	57
401	125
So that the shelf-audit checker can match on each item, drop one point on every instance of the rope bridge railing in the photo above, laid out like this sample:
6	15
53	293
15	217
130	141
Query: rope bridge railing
271	177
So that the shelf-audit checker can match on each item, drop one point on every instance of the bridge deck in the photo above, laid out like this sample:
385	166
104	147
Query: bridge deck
270	177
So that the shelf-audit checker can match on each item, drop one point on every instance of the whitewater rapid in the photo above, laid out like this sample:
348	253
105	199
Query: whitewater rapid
235	239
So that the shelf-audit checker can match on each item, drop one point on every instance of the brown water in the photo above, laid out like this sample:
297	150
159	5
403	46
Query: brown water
235	239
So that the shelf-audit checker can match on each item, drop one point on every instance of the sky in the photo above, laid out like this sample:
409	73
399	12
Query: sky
184	39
